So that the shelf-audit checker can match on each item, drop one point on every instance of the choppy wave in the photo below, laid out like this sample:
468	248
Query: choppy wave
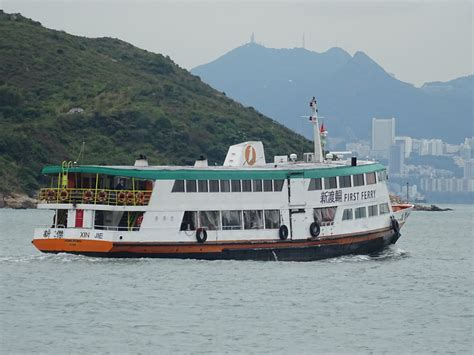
390	253
64	258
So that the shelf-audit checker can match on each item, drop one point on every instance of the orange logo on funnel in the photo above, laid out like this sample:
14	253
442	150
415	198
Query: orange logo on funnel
250	155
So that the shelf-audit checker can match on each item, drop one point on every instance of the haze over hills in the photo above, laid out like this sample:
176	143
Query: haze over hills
59	90
350	91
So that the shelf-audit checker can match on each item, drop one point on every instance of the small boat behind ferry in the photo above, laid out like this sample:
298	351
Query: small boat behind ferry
246	209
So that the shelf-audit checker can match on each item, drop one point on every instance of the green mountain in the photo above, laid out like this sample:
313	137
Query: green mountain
133	101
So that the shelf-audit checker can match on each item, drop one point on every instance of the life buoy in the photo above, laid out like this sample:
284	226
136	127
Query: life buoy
314	229
51	195
88	195
43	195
140	198
121	197
130	197
201	235
283	232
102	196
396	228
63	195
395	225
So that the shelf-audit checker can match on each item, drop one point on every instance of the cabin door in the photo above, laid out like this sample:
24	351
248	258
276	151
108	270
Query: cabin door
297	205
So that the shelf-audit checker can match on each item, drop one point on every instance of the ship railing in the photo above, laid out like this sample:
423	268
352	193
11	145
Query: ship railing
95	196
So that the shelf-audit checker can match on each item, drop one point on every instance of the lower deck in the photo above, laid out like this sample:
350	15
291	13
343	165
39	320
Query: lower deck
278	250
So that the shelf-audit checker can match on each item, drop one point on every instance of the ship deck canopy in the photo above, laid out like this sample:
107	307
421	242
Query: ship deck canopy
269	171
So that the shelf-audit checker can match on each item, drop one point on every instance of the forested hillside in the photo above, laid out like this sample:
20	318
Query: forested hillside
59	90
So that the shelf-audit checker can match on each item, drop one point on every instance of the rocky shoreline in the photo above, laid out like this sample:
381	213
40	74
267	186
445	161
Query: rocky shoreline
17	201
430	208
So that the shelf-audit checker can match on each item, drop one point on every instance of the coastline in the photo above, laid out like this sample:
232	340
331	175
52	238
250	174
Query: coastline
17	200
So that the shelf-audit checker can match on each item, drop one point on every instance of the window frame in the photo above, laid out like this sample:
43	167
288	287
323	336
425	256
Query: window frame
357	215
233	185
345	181
329	179
313	186
177	185
224	185
265	185
202	186
348	216
191	183
355	180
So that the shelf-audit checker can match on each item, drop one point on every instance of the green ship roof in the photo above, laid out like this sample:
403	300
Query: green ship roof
163	173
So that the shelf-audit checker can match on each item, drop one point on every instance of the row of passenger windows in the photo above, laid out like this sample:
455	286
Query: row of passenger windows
346	181
325	215
361	212
275	185
227	185
231	220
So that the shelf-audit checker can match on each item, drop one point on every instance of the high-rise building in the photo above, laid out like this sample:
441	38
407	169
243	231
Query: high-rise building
408	144
396	158
469	169
383	136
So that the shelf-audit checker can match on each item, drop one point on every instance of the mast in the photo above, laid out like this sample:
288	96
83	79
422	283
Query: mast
318	153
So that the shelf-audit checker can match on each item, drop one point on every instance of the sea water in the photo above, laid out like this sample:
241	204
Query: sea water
414	297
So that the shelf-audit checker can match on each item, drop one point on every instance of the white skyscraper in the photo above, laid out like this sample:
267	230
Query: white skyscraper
383	136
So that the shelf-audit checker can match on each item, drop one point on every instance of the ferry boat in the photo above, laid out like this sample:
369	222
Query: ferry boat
246	209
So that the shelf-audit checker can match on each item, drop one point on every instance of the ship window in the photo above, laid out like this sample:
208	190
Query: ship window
253	219
225	186
347	214
202	186
231	220
373	210
360	212
358	180
257	186
344	181
330	183
370	178
324	216
235	184
209	220
246	185
384	208
278	185
213	185
267	185
272	219
178	186
382	175
189	221
190	185
315	184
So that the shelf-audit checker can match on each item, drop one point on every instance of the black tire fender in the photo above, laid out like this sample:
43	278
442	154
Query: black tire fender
201	235
283	232
395	225
314	229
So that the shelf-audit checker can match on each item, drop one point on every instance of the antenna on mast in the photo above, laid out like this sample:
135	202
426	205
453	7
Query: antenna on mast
252	38
318	153
81	152
304	46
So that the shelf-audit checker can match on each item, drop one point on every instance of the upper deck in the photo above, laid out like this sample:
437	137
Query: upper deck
269	171
99	185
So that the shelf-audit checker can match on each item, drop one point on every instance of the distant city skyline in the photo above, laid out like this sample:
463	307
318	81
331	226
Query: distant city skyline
416	41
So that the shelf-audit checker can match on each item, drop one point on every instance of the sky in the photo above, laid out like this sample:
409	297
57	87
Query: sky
416	41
